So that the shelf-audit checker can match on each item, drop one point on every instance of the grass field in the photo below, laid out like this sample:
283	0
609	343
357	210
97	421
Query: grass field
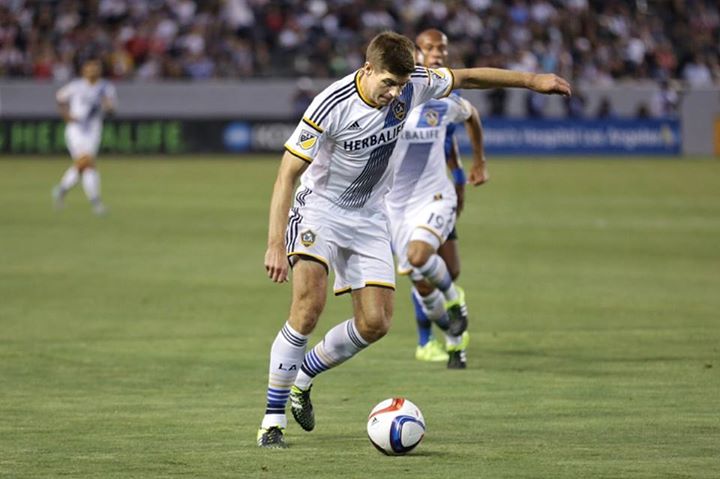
136	345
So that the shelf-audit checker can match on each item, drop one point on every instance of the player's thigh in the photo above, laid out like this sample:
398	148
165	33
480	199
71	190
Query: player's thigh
448	251
373	310
82	144
309	285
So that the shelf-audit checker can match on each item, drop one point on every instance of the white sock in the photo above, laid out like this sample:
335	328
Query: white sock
91	184
286	355
69	179
435	271
339	344
434	305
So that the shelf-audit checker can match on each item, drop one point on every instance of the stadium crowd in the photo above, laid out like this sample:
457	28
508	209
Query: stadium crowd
595	42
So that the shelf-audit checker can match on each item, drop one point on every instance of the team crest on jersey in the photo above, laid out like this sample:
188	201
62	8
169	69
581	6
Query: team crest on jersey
431	117
399	110
307	238
307	139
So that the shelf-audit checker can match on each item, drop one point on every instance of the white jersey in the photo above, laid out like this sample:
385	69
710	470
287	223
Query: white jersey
85	101
421	174
349	142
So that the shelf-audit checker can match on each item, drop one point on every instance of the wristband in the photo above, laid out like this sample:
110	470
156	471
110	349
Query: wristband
458	175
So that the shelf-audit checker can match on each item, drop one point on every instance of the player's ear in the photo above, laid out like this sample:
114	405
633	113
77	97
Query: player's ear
368	68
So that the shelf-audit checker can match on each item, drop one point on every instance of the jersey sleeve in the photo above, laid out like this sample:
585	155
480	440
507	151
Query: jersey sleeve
431	83
315	127
459	109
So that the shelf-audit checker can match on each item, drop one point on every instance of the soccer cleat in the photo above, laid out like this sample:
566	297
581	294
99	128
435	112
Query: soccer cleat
58	197
457	314
457	358
302	408
432	351
271	438
99	209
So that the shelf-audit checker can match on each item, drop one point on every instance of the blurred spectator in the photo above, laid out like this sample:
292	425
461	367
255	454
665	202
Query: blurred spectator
665	101
303	96
498	101
575	105
589	41
605	110
642	112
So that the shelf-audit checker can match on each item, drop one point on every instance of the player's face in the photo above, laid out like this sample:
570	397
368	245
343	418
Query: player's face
382	86
91	71
434	49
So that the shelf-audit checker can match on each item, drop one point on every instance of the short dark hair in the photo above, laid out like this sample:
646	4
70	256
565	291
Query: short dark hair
392	52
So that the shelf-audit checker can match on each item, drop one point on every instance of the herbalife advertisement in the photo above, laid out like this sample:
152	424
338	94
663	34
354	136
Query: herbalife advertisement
190	136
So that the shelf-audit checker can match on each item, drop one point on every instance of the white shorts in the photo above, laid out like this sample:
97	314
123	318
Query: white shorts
355	247
82	140
431	223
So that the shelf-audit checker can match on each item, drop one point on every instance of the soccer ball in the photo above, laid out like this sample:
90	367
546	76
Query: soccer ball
395	426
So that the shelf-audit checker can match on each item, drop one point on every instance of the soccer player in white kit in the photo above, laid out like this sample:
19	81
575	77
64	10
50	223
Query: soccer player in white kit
83	103
341	152
423	207
423	204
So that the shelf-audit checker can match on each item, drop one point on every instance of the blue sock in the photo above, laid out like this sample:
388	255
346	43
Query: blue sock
424	325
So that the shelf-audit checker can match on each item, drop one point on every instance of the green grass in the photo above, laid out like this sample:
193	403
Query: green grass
136	345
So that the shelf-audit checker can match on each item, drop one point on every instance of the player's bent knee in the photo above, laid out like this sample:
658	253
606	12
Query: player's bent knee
419	255
84	162
373	328
424	288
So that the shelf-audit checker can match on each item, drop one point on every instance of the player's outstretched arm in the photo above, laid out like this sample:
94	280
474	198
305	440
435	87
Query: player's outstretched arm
276	263
480	78
478	171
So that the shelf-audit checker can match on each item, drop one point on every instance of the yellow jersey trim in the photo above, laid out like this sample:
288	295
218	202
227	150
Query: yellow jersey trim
360	92
381	284
452	84
432	230
314	256
340	291
305	158
312	124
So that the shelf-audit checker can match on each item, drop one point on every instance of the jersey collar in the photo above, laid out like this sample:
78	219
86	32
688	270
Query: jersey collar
365	99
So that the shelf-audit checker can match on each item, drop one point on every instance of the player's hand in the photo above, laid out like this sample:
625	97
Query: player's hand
550	84
478	174
276	264
460	193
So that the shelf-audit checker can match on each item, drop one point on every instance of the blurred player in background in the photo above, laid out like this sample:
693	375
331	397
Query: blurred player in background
339	221
423	206
83	103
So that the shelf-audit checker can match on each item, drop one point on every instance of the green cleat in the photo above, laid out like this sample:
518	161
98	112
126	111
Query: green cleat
457	314
432	351
271	438
302	408
457	358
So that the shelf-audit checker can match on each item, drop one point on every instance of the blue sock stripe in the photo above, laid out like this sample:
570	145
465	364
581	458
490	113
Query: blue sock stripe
273	410
307	371
277	397
275	390
292	338
424	326
354	337
313	365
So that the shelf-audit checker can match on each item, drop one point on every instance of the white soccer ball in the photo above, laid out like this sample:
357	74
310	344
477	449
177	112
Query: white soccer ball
395	426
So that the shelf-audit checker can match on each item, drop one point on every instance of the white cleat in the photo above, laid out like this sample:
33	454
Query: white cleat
99	209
